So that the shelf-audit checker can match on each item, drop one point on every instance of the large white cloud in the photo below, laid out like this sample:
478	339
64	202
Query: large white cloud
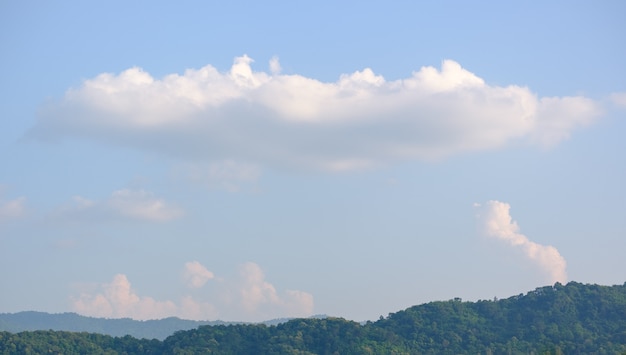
497	223
276	119
248	297
122	204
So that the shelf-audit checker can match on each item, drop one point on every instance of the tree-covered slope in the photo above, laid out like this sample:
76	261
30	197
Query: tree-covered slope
570	319
149	329
576	318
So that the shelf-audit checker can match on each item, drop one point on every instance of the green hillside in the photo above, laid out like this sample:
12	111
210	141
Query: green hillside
570	319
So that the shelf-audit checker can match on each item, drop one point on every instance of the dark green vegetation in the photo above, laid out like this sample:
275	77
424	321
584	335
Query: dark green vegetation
150	329
158	329
571	319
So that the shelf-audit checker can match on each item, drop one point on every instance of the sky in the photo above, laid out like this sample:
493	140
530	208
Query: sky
257	160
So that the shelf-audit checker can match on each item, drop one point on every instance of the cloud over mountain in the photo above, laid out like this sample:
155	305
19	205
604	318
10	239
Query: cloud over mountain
258	295
497	223
246	297
288	120
118	300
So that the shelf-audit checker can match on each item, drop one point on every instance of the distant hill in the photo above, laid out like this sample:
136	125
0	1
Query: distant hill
72	322
149	329
560	319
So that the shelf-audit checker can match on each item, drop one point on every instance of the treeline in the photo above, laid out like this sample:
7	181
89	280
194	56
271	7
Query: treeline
150	329
570	319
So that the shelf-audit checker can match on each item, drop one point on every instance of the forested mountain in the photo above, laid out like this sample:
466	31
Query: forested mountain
72	322
150	329
570	319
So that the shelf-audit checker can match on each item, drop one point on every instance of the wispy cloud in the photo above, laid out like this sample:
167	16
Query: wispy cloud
249	297
497	223
619	99
360	120
196	275
142	204
228	175
122	204
12	209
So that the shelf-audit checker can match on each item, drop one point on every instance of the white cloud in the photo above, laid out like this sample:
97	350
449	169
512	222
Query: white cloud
260	299
228	175
275	119
275	67
255	290
196	275
141	204
196	310
12	209
247	298
118	300
497	223
298	303
124	204
558	117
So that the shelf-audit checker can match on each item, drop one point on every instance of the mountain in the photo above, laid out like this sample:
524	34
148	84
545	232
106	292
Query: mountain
560	319
72	322
149	329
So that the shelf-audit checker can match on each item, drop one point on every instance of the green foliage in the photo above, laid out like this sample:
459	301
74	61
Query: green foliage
69	343
571	319
149	329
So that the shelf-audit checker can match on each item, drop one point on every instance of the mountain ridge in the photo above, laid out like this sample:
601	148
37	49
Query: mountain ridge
560	319
117	327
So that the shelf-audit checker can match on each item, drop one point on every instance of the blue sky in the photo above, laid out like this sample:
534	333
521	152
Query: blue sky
259	160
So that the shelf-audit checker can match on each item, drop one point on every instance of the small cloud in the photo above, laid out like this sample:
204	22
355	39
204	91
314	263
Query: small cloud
196	275
275	67
260	298
12	209
497	223
122	204
196	310
140	204
618	99
255	290
298	303
228	174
